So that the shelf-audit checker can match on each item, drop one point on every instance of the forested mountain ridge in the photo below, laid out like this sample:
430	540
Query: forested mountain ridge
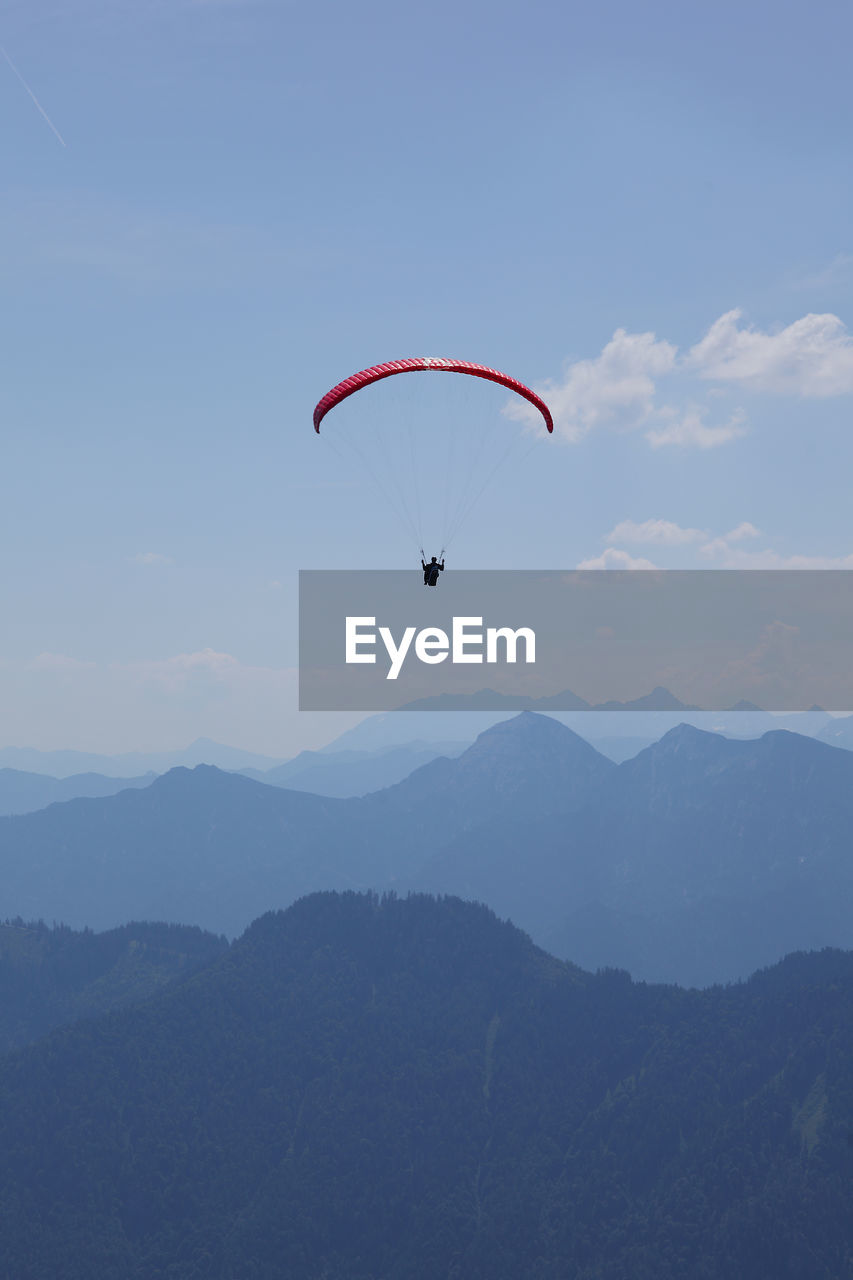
53	976
366	1088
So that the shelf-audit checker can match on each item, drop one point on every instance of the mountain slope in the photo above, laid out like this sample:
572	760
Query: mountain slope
696	861
520	768
351	773
198	846
217	849
368	1087
49	977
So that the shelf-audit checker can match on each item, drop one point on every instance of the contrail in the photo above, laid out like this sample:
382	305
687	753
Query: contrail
32	95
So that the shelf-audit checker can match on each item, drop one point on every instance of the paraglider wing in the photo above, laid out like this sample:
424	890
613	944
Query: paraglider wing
420	365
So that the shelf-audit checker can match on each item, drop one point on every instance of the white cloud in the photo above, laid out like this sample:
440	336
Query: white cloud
741	531
811	357
612	558
724	550
615	388
658	532
722	543
688	430
737	558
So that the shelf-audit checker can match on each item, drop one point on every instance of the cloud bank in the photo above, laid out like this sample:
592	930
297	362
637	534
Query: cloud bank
621	388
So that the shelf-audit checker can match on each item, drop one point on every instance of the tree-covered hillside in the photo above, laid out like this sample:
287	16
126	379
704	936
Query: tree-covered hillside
50	976
380	1089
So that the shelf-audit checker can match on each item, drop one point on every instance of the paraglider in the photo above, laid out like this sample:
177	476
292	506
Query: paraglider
442	474
423	364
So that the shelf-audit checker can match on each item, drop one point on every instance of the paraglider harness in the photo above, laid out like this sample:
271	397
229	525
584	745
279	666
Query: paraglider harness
432	570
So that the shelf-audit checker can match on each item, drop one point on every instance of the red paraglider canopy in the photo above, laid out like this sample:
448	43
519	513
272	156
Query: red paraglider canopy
421	364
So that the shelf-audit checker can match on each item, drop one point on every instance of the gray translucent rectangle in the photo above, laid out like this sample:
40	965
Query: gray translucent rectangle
601	640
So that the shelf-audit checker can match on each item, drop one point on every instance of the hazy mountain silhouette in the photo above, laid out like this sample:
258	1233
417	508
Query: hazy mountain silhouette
130	764
366	1087
417	728
695	861
214	849
492	700
698	860
197	846
22	792
388	729
838	732
351	773
657	699
521	768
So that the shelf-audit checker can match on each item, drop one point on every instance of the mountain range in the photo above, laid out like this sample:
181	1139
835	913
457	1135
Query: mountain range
368	1087
22	792
694	862
379	751
131	764
697	861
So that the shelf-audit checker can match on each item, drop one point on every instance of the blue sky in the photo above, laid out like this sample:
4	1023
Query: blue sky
643	211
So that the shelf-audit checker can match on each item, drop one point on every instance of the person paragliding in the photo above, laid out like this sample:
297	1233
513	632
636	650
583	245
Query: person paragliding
465	479
432	570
